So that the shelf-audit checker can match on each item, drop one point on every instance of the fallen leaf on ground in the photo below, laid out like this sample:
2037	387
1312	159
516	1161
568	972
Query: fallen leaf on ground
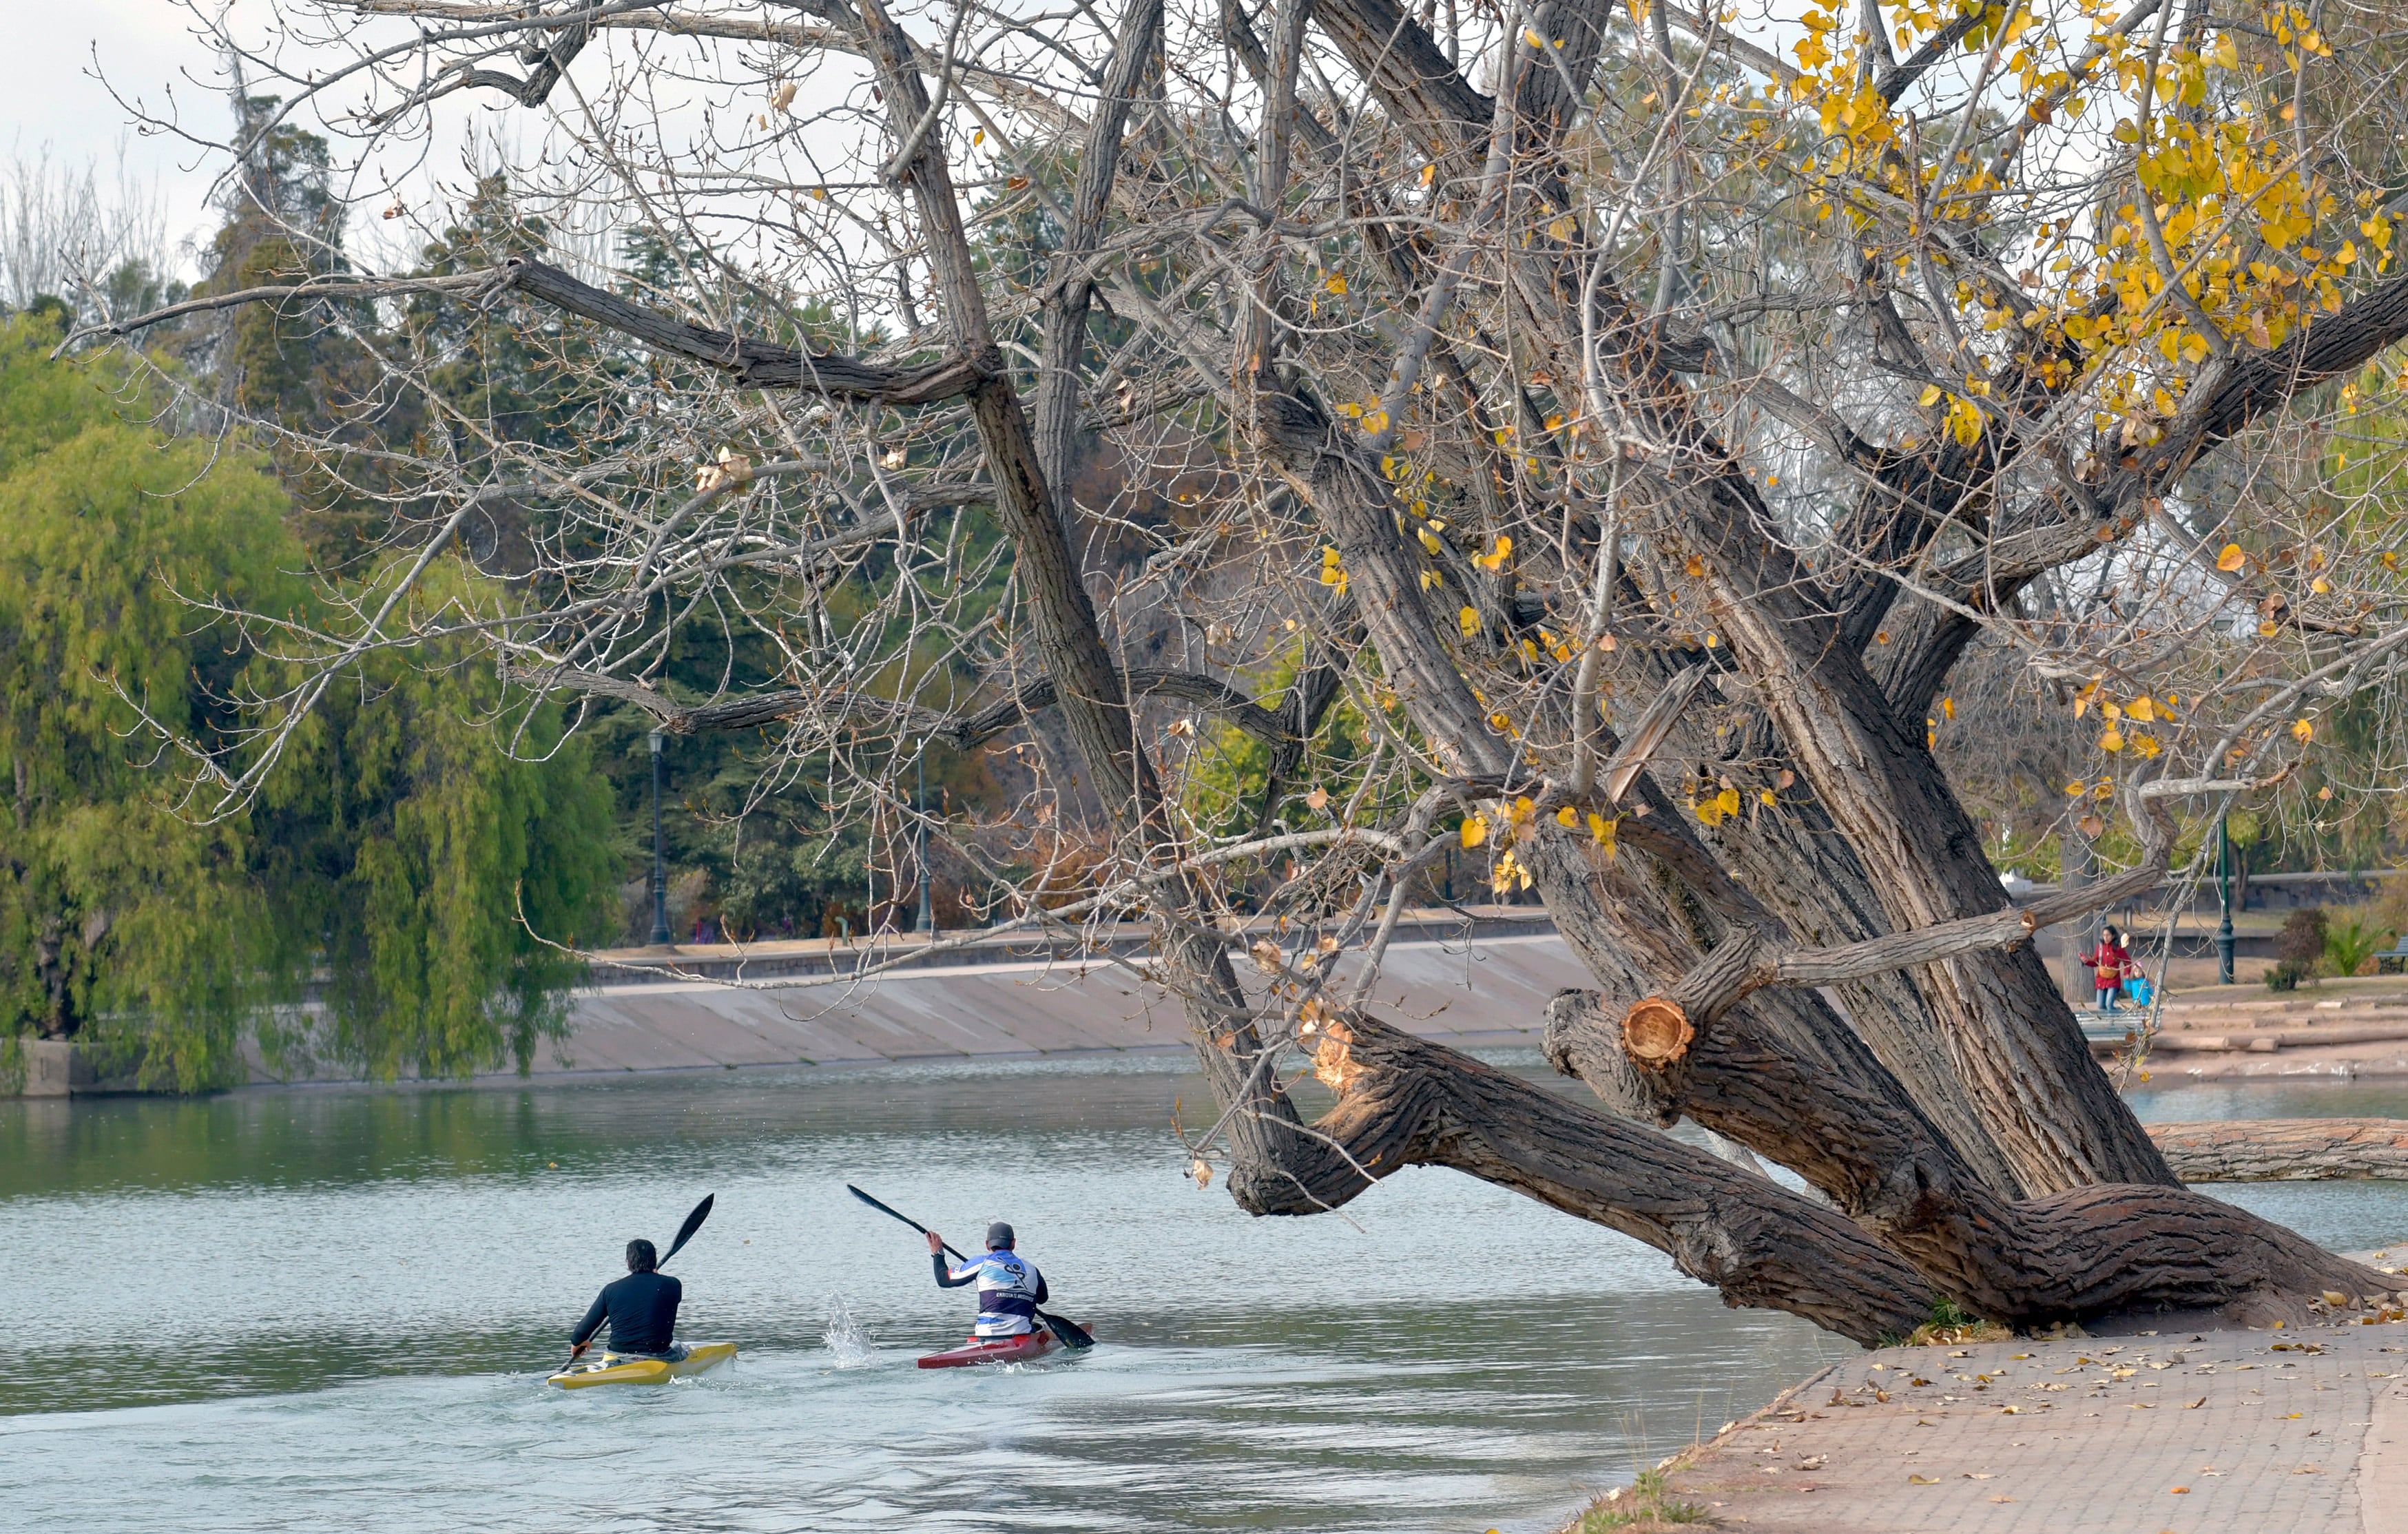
2196	1404
1921	1481
1981	1475
2002	1497
2181	1491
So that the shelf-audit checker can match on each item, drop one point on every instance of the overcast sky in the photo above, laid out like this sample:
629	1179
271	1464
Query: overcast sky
55	98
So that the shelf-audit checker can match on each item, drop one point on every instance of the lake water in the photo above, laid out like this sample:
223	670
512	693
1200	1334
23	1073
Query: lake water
288	1310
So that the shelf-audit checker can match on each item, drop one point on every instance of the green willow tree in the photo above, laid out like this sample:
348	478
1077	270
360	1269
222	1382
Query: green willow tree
386	873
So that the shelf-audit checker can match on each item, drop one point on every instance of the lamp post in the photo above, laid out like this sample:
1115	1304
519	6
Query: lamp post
2224	887
660	938
920	799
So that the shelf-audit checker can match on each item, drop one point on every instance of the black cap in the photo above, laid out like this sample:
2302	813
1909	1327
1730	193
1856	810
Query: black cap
998	1236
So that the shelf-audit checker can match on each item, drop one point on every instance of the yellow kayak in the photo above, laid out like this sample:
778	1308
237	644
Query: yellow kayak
622	1368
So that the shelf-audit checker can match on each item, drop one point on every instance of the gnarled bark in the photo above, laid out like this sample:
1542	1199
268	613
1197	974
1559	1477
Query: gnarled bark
2076	1254
1404	1101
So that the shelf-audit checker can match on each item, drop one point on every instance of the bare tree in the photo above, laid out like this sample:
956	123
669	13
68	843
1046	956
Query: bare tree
64	236
1588	438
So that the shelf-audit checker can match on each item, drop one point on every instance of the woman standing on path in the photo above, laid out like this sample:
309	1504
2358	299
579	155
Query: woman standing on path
2109	963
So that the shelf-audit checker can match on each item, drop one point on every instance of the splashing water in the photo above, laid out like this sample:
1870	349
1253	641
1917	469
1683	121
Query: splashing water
844	1337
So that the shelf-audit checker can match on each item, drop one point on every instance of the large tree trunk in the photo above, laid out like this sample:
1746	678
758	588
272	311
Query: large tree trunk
1403	1101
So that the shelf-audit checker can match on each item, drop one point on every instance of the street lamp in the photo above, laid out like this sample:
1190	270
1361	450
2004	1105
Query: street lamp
660	938
2224	885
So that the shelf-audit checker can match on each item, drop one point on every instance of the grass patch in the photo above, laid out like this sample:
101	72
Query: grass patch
1645	1504
1951	1326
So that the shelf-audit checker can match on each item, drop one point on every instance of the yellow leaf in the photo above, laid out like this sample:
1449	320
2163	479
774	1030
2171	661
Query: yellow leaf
1947	707
1697	567
1602	829
1930	395
1568	817
1728	799
2231	559
1337	282
2112	741
1429	174
1475	831
1965	421
2320	585
2075	788
978	137
1767	798
2303	731
1470	619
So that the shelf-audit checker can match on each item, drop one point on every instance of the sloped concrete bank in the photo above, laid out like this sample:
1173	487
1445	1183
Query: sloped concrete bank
1484	981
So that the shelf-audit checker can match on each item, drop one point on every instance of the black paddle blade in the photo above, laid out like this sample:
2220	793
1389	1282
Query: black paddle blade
692	1224
1073	1336
888	1209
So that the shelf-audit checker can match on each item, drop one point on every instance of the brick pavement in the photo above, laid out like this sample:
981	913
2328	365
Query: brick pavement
2268	1430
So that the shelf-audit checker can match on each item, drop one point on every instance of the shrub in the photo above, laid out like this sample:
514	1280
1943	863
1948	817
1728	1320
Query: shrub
2352	941
2302	940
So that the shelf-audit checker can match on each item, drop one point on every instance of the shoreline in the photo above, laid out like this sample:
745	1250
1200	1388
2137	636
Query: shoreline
2300	1427
2140	1432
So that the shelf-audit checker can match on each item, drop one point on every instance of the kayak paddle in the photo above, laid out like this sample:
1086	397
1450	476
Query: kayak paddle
685	1233
1073	1336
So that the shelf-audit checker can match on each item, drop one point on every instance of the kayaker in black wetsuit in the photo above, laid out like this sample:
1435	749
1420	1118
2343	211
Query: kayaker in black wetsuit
641	1308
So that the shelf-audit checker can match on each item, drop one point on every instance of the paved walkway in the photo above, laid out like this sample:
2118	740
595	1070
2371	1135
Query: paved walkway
2181	1433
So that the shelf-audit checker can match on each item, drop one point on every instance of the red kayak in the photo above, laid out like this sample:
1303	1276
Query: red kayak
992	1350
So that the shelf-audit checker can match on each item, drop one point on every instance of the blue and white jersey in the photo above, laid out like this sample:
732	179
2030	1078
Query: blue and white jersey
1009	1291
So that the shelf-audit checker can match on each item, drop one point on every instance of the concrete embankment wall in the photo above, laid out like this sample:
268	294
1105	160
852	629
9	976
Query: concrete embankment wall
1485	981
1493	989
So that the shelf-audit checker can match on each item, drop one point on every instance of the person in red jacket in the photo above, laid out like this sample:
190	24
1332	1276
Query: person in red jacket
2108	962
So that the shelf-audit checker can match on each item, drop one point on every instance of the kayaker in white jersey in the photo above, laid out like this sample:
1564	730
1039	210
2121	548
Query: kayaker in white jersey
1009	1287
